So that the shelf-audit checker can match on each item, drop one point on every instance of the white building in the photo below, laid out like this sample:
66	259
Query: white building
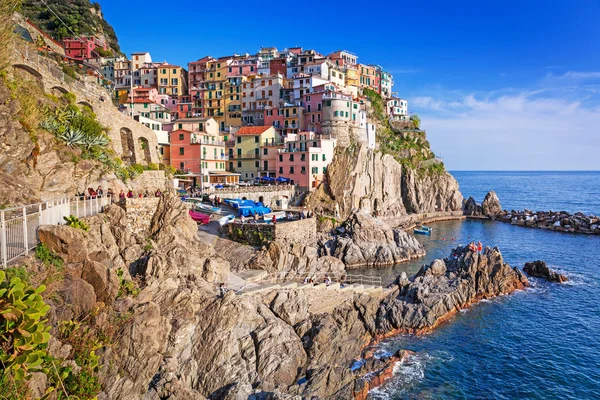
397	109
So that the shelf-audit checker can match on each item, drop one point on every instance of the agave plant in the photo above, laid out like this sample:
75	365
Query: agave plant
93	141
50	125
72	137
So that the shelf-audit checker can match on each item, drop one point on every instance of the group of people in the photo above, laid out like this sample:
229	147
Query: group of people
310	280
99	192
476	247
217	201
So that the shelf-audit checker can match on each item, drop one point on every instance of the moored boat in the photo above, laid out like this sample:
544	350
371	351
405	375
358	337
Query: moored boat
226	219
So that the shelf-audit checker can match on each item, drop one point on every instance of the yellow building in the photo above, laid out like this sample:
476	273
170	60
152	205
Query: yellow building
172	80
233	101
247	150
352	76
215	82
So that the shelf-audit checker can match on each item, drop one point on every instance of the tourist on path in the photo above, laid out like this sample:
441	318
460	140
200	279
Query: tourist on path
121	195
130	194
479	247
157	193
100	192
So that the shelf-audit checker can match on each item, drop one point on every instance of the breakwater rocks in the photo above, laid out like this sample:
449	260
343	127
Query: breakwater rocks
559	221
539	269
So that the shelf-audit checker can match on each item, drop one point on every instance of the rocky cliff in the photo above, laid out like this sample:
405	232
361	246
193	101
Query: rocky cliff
359	178
177	339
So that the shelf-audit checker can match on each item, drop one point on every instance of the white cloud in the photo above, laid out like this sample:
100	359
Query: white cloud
580	75
509	129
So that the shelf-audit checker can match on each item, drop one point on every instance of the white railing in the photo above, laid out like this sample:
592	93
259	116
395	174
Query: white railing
19	225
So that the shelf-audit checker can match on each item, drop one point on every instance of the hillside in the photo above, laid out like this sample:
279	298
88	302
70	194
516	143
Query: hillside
82	17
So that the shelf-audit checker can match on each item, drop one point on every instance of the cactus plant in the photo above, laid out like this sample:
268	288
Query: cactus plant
75	222
72	137
23	329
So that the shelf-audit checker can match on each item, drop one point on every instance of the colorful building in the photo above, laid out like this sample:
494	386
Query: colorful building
370	77
246	151
397	109
304	158
82	48
172	80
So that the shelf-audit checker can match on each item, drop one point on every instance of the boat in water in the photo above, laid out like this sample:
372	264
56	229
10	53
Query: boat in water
423	230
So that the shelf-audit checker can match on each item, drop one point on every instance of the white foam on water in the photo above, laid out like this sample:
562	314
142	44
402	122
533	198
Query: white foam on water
406	373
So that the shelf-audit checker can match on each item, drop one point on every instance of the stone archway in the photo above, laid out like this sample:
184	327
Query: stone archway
127	143
86	104
29	70
145	146
58	91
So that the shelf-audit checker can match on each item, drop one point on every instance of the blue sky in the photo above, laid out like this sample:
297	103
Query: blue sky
499	85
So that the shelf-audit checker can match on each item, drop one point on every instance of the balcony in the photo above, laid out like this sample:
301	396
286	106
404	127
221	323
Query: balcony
272	144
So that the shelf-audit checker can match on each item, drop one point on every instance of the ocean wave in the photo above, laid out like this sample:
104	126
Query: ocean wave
406	374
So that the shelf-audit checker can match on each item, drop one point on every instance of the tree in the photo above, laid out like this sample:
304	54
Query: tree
416	121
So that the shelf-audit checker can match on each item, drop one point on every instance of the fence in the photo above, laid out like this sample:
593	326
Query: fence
19	225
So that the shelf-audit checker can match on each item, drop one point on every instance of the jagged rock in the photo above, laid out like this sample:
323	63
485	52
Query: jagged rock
36	384
491	204
290	306
104	281
361	179
539	269
78	297
471	207
368	241
68	242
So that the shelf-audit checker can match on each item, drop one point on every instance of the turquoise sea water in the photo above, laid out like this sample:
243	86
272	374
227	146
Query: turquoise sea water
541	343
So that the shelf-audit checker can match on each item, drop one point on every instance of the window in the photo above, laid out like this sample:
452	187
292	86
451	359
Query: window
291	157
270	93
265	151
239	152
291	170
181	151
324	157
239	140
303	170
181	136
180	125
324	170
181	166
314	170
256	164
239	164
201	126
256	139
335	113
162	151
281	158
280	170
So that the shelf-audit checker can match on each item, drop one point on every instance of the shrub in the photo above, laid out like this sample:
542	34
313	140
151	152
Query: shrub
22	328
153	167
70	71
43	253
75	222
126	287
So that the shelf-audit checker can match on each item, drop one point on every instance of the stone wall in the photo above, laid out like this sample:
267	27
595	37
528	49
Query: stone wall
302	231
265	194
285	232
132	141
139	212
150	180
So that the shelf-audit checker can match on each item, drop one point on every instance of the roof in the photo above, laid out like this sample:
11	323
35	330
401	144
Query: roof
252	130
145	101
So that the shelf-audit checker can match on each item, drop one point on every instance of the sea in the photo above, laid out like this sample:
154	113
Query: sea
540	343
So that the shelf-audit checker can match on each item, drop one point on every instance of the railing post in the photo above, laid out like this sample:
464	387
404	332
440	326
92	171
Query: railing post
40	220
25	241
77	206
84	207
3	238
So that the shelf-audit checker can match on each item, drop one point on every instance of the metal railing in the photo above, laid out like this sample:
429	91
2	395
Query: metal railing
19	225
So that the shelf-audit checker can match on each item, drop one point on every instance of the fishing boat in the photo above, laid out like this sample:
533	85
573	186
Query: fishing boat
269	216
226	219
420	231
207	208
199	217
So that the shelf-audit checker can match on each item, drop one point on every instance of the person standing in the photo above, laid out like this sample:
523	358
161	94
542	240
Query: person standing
479	247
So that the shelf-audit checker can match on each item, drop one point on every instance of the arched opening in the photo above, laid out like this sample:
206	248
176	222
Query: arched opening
145	146
128	154
261	199
86	104
28	70
58	91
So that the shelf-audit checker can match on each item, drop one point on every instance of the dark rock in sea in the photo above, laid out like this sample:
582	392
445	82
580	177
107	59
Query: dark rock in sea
539	269
471	207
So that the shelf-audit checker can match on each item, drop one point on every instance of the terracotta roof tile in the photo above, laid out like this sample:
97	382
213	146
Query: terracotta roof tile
252	130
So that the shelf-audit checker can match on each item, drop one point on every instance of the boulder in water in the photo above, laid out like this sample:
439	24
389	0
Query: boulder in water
539	269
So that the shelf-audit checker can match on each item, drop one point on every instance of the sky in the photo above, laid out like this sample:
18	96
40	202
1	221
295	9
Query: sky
499	85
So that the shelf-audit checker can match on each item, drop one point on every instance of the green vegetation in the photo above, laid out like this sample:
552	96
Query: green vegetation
23	328
70	70
78	16
76	223
126	287
416	121
47	257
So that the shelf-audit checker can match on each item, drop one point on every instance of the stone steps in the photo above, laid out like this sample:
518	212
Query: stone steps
261	289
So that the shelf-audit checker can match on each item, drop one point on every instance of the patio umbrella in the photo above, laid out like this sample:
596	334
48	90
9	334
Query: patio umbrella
282	179
267	179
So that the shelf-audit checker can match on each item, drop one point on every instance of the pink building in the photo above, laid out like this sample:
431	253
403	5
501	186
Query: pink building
82	48
304	158
146	93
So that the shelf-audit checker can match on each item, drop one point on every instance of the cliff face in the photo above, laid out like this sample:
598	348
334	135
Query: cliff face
362	179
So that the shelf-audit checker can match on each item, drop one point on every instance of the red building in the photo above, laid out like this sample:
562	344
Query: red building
82	48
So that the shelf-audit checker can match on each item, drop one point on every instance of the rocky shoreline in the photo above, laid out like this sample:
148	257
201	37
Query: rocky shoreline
181	340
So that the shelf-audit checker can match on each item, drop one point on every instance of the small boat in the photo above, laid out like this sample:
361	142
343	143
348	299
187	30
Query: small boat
269	216
426	228
207	208
199	217
226	219
421	231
